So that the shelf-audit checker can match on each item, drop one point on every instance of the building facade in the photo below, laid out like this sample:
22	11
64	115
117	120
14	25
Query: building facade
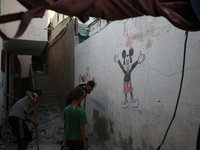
17	54
137	66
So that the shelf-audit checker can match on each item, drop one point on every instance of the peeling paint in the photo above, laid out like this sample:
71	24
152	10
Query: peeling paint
150	30
149	44
129	42
125	28
131	37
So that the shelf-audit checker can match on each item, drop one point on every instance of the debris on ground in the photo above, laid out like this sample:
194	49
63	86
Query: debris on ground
50	134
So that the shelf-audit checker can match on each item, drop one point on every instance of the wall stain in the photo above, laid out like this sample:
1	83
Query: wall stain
146	146
149	44
100	126
130	36
125	28
104	129
150	30
126	143
111	127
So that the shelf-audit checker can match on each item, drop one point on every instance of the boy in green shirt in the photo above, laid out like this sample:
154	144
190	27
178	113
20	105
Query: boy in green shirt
74	119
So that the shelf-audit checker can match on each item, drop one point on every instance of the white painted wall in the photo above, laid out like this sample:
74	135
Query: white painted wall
36	29
155	83
25	61
98	26
55	17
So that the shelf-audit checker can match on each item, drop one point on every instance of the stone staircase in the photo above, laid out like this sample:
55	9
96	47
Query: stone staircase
48	113
49	101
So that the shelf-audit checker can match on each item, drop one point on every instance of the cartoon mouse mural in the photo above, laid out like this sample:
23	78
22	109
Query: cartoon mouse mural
127	68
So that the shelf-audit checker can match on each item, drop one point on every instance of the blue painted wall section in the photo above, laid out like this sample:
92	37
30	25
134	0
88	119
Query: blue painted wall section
97	103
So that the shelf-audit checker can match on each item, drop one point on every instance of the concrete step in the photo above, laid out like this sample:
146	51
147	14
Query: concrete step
49	100
45	87
46	101
49	96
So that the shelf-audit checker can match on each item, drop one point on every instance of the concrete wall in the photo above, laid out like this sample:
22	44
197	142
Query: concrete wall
25	61
141	125
55	17
61	63
97	26
36	29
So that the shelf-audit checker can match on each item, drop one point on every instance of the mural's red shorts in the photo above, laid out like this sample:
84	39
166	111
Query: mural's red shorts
127	87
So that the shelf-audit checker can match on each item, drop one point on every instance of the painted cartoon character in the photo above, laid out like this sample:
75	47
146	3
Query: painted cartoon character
127	68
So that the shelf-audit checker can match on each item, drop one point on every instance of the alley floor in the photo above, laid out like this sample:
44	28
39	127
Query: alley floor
50	132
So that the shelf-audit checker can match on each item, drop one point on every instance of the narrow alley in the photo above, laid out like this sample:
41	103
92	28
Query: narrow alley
49	133
143	56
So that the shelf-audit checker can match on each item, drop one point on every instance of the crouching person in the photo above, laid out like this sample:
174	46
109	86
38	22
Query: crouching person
18	117
74	119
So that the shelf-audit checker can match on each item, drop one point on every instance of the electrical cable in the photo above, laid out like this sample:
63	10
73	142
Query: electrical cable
181	83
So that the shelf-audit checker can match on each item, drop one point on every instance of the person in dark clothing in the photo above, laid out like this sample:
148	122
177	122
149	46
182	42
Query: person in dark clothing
87	86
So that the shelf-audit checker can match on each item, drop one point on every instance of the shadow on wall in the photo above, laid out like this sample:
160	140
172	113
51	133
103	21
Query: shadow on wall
100	126
104	129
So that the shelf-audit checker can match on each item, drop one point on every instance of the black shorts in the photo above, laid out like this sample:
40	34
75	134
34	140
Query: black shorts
75	145
21	131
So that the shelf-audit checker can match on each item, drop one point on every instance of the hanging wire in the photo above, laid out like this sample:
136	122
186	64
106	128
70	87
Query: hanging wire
181	83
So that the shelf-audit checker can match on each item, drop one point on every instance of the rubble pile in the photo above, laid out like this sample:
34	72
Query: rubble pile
50	131
6	138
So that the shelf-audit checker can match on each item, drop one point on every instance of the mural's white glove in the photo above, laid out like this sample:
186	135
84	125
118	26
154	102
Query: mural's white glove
141	58
116	58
